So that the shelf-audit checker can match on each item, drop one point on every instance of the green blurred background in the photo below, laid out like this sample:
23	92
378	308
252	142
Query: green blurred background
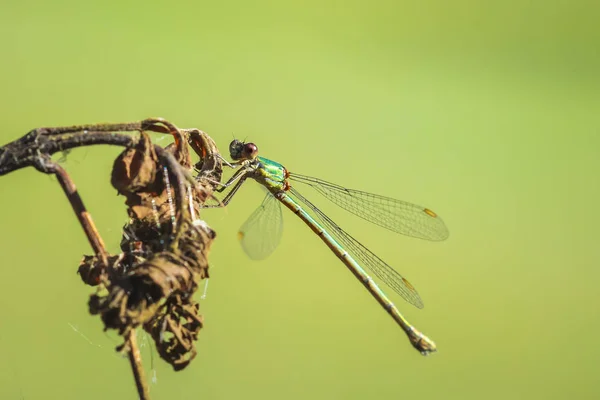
486	112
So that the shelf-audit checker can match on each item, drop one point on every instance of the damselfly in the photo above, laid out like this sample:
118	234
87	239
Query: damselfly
260	234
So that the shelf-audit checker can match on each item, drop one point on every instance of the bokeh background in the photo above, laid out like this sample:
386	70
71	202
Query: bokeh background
486	112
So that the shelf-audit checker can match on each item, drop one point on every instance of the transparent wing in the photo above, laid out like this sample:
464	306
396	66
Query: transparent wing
365	257
396	215
261	233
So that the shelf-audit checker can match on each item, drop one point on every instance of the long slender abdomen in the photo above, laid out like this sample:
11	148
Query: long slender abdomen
417	339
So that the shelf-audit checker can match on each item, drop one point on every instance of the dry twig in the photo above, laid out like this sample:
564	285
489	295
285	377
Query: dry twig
151	283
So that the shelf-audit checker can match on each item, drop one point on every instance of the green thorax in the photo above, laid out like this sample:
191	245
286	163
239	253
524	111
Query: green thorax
272	174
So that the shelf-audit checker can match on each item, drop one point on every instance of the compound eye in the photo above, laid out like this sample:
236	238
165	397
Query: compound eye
235	149
250	151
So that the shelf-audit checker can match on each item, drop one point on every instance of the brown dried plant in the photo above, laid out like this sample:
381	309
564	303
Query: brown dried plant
164	246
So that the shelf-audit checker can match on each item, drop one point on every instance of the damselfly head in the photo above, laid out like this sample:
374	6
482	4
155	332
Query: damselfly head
242	151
